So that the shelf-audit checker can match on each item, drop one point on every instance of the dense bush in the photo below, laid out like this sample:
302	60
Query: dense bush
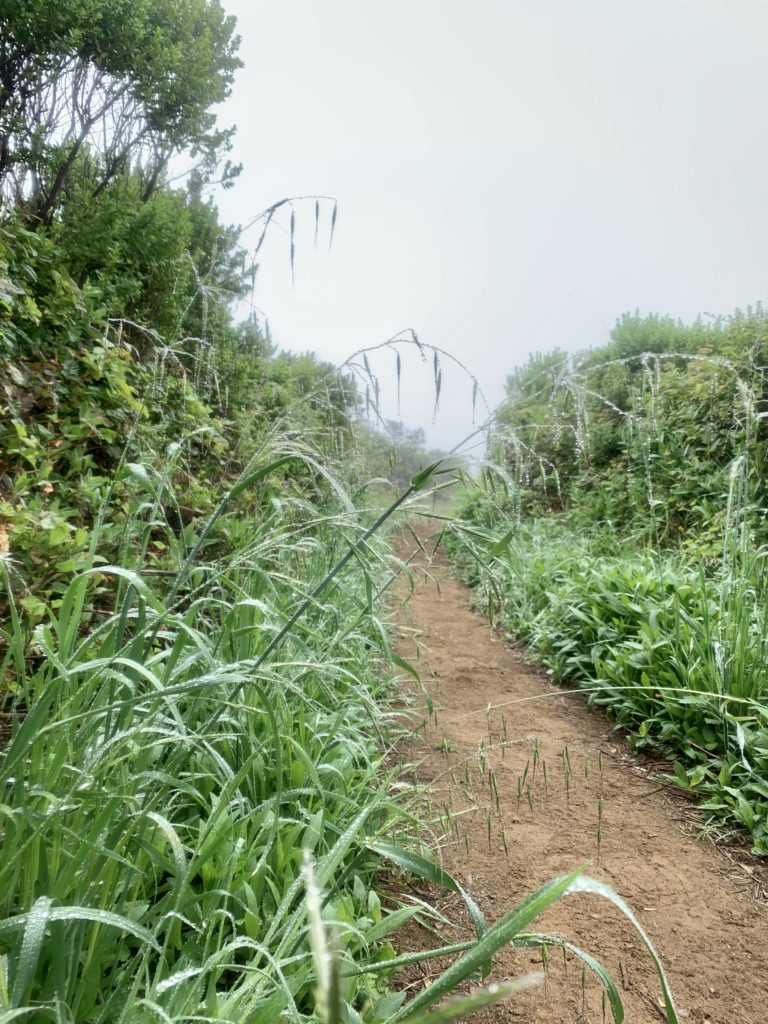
82	408
640	435
628	542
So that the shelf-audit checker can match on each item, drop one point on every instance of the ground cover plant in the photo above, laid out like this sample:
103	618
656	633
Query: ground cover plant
626	522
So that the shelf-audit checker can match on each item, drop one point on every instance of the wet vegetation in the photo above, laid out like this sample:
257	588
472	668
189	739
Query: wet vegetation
198	688
625	513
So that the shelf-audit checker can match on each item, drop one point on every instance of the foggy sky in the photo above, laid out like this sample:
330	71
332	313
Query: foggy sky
511	175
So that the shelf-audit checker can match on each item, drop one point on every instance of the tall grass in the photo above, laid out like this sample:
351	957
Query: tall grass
163	776
170	771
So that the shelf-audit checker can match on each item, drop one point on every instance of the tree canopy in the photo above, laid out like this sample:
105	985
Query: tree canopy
98	87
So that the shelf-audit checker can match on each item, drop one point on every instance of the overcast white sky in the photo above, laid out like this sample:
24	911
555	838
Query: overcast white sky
511	174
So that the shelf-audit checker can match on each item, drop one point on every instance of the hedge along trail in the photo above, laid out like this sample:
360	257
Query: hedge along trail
651	597
103	719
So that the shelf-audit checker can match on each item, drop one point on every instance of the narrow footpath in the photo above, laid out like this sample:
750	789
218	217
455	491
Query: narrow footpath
526	783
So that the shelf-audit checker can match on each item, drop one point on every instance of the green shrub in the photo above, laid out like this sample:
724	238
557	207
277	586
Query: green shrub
674	652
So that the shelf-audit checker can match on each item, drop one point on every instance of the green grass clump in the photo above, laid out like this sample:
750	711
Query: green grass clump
162	780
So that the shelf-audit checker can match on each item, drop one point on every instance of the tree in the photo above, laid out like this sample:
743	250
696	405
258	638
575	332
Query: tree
129	83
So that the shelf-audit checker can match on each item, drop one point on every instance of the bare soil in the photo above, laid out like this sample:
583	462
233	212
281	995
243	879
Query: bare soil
702	903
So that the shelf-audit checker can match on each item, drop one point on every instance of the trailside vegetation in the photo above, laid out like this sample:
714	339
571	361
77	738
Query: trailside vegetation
624	507
197	700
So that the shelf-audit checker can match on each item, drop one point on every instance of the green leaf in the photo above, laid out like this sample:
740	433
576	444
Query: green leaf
502	544
423	868
458	1009
681	775
405	665
591	885
259	474
609	985
31	946
697	775
21	1011
105	917
420	479
390	923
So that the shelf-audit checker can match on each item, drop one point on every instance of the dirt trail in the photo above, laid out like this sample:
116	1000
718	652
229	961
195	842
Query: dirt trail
705	912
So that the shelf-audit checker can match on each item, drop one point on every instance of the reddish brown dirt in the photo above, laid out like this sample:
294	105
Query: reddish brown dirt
703	906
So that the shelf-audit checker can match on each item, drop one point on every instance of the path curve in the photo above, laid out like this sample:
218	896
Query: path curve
705	912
